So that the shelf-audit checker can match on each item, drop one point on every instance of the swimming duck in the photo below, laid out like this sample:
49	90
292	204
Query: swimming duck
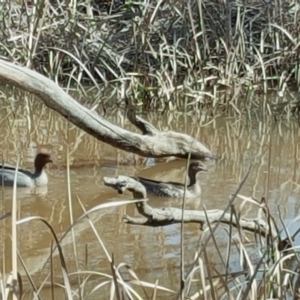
175	189
26	178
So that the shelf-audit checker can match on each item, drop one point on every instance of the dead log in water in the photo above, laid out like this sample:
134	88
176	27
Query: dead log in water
152	143
166	216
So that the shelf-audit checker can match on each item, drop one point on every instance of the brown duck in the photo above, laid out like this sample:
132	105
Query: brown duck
175	189
26	178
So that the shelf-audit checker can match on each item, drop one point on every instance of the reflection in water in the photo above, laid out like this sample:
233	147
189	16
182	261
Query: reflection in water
154	253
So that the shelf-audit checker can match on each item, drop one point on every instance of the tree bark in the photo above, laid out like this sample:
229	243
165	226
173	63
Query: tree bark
152	143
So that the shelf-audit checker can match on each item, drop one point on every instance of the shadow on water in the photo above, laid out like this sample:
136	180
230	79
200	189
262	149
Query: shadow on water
154	253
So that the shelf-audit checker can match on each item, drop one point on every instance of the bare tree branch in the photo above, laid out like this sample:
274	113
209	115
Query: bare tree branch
152	143
168	215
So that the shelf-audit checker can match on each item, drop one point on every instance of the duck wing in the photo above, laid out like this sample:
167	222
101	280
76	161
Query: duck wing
13	168
7	176
161	183
160	188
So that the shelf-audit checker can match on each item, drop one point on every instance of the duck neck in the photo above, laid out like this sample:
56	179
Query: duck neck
192	178
38	171
194	184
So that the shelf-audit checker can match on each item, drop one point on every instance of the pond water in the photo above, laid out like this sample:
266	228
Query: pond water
153	253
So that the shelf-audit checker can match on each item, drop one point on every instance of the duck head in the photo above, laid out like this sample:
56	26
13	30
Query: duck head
196	167
41	160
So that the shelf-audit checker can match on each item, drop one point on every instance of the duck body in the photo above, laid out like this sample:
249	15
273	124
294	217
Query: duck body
175	189
168	189
26	178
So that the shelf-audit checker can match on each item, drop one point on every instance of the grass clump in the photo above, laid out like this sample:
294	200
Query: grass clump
170	54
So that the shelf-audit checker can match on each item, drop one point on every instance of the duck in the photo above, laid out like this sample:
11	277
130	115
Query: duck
175	189
26	178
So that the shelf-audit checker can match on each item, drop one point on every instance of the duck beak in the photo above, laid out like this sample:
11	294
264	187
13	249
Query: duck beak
203	169
49	160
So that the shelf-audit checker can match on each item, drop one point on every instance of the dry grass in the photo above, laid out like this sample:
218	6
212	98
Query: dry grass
168	54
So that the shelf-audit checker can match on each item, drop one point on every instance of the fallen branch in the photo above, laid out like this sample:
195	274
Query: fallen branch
167	216
152	143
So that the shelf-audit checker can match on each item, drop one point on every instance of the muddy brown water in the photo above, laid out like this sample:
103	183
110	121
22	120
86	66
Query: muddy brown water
153	253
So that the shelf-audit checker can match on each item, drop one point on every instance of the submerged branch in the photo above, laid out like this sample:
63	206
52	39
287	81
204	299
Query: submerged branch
152	143
169	215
